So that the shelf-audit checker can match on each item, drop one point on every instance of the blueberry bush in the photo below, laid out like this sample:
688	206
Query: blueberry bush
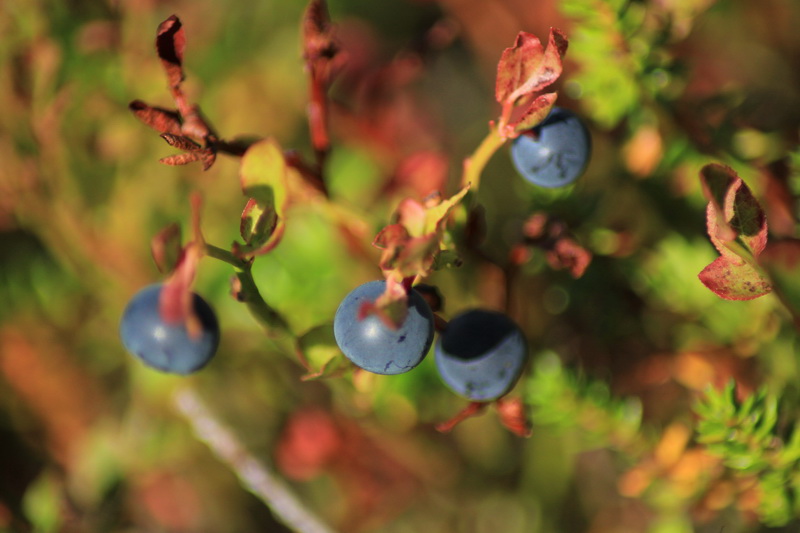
418	266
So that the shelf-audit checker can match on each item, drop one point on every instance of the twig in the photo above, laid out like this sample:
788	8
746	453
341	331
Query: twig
254	474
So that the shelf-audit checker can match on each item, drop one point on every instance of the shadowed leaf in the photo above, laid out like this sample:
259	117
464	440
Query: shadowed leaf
733	213
170	43
181	143
166	248
161	120
536	112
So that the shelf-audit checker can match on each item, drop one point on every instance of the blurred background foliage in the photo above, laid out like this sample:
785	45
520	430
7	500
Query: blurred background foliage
93	441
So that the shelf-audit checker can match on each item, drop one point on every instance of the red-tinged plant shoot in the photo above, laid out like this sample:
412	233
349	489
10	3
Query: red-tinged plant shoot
409	249
264	175
737	226
524	71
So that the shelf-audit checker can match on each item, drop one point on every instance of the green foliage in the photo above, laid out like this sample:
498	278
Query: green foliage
627	432
745	435
608	79
558	398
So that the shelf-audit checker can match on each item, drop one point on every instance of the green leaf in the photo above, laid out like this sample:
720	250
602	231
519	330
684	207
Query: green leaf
263	174
319	350
42	503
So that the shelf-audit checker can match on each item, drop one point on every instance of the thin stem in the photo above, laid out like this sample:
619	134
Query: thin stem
256	476
226	256
251	296
248	292
474	164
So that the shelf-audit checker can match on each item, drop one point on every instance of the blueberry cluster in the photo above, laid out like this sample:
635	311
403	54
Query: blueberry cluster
479	355
168	347
554	153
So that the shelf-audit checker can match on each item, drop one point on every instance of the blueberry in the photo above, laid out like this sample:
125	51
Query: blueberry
168	347
554	153
374	346
481	354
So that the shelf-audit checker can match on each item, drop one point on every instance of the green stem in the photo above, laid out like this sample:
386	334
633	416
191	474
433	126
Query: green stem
474	164
226	256
249	293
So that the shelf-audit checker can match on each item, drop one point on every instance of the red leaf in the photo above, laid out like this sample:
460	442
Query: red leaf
181	142
513	417
527	68
737	226
322	58
161	120
568	254
532	115
181	159
733	213
175	301
170	43
391	235
166	248
734	281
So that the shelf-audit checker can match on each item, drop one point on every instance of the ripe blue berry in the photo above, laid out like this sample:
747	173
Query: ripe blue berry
167	347
481	354
374	346
554	153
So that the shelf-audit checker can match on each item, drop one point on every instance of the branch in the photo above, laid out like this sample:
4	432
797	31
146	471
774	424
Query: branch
257	477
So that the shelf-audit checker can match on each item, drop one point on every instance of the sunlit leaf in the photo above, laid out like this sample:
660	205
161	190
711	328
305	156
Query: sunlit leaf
734	281
263	175
527	67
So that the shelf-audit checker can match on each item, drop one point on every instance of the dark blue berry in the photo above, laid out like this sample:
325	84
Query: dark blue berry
481	354
168	347
554	153
374	346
